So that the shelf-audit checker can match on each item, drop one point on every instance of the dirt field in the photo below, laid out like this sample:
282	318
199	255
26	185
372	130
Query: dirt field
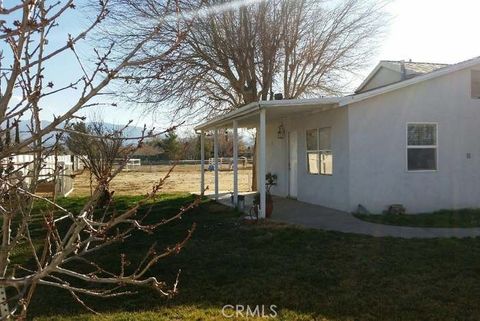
185	178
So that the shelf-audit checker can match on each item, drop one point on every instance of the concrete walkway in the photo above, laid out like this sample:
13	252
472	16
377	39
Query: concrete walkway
314	216
319	217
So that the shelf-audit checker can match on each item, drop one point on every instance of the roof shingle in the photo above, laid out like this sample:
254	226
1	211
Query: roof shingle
416	68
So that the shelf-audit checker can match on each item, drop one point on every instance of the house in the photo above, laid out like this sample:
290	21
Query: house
409	135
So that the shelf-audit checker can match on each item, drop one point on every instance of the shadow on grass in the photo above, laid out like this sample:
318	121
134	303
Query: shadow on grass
306	273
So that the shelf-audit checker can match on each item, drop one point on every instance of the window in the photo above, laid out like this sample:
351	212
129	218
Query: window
475	84
422	147
319	151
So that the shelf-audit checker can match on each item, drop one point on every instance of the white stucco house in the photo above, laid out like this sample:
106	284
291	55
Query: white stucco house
409	135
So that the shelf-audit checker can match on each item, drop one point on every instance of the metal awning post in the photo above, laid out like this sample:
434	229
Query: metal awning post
202	163
262	163
215	156
235	163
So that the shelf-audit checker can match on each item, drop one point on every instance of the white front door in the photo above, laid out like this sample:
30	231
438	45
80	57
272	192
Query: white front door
292	164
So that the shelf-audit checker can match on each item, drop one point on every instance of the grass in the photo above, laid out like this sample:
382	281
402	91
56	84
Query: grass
443	218
308	274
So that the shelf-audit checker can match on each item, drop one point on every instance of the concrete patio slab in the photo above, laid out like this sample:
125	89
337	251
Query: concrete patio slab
314	216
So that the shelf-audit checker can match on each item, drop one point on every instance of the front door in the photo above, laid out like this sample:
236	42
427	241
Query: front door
292	164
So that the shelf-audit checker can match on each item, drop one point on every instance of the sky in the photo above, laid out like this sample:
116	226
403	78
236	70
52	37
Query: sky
442	31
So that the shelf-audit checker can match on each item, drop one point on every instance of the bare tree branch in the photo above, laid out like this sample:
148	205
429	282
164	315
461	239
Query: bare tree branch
23	69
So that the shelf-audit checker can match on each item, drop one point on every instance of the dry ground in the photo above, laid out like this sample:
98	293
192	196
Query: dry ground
185	178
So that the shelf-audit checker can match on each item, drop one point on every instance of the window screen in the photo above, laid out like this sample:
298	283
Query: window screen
319	151
421	147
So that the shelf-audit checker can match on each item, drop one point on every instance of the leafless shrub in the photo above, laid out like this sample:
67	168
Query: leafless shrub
25	28
98	147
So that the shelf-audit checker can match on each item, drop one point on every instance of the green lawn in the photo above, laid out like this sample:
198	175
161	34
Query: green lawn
443	218
308	274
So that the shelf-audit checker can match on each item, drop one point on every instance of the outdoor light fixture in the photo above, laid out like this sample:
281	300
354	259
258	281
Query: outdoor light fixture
281	132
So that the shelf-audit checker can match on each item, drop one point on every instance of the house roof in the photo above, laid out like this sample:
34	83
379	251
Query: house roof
411	81
405	69
415	67
438	70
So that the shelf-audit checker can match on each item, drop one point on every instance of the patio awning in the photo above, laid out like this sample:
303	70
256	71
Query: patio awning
247	116
250	116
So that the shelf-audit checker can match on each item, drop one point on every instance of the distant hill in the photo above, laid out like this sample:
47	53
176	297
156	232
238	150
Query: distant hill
131	131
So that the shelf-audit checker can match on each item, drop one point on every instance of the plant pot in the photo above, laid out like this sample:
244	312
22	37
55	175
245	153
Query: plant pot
269	207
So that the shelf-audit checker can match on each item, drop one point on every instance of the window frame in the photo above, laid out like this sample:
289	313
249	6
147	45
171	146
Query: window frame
407	147
318	151
472	78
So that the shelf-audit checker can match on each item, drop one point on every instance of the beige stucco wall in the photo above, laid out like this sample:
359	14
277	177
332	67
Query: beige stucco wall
377	130
330	191
369	150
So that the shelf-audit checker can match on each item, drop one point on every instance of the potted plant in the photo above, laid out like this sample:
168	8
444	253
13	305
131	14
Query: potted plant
270	180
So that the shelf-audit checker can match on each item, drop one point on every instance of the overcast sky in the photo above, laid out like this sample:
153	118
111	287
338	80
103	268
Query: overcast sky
444	31
433	31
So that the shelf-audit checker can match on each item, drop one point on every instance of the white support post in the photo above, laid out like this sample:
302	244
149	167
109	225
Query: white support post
202	163
235	163
215	156
262	163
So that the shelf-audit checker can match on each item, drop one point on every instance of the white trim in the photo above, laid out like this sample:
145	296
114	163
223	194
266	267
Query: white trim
318	151
407	147
301	102
202	162
289	163
215	157
235	163
262	164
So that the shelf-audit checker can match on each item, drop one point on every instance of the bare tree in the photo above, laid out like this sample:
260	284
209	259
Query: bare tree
98	147
25	28
296	47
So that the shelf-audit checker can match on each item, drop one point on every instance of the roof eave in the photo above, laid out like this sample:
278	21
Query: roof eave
257	106
242	111
405	83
